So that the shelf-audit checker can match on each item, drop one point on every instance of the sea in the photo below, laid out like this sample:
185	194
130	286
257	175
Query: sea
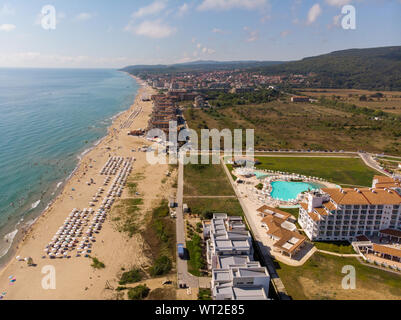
49	118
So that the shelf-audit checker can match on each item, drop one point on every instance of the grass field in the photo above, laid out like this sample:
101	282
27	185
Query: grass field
391	101
206	180
342	171
321	276
231	206
301	126
342	247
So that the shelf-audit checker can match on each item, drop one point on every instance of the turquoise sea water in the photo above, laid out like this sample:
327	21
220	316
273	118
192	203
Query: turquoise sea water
48	118
287	190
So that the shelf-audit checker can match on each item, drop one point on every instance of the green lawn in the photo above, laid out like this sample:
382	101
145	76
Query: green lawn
196	262
206	180
342	247
231	206
321	276
342	171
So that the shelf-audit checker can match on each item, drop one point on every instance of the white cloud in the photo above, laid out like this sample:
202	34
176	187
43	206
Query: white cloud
84	16
152	29
152	9
314	12
7	27
253	35
231	4
217	30
338	3
183	9
6	10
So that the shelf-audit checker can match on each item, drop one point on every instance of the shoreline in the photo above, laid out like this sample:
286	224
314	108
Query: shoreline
25	231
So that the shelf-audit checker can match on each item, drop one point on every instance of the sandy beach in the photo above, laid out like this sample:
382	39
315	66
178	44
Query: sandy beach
75	278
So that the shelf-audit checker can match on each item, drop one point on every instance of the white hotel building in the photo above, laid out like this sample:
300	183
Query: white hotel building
344	214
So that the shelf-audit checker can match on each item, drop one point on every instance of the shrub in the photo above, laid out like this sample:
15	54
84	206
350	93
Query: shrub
138	293
97	264
161	266
131	276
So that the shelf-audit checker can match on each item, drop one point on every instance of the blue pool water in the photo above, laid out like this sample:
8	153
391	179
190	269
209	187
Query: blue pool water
48	118
287	190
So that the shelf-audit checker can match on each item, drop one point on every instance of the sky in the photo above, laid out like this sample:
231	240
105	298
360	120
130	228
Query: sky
114	34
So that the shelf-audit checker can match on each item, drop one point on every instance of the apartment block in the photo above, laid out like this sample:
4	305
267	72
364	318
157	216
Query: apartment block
235	275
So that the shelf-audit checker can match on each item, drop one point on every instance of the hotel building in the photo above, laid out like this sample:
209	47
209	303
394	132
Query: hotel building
344	214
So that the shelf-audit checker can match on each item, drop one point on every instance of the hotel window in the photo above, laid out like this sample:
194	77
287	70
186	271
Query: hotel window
370	217
364	206
347	211
347	217
348	206
363	212
396	206
371	211
372	206
357	206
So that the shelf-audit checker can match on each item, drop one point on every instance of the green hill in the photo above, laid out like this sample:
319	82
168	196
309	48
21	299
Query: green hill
373	68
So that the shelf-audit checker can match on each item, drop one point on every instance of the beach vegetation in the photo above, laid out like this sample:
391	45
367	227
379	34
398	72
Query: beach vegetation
138	293
161	266
97	264
162	294
132	276
159	235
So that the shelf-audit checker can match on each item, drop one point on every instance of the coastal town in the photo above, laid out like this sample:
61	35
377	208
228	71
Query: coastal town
283	216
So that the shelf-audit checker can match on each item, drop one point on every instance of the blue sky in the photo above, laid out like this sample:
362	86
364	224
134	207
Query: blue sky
102	33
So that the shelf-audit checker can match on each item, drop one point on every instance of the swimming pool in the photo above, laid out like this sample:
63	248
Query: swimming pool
288	190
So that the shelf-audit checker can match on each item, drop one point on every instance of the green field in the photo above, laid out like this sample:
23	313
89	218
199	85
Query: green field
201	206
206	180
342	247
342	171
282	125
321	276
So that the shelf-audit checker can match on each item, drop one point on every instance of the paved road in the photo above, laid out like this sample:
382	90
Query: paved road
368	159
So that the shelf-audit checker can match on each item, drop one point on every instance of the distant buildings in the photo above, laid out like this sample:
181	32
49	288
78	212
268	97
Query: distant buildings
344	214
235	276
164	111
200	102
299	99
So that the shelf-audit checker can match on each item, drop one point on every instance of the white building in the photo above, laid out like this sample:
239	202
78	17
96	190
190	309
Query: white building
236	276
344	214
